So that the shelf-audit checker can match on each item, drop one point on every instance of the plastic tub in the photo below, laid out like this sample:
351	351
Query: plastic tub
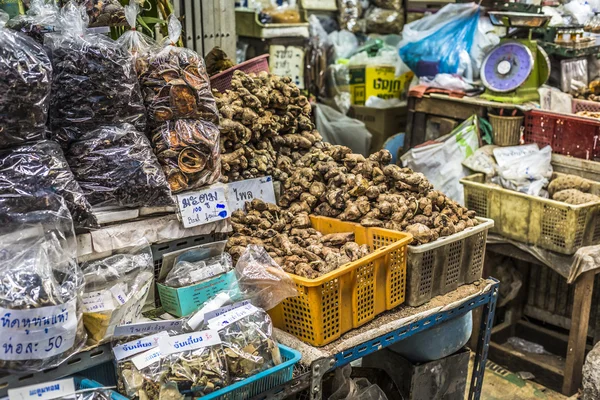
222	80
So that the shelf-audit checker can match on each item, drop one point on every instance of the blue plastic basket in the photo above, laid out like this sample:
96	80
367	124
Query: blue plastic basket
84	383
261	382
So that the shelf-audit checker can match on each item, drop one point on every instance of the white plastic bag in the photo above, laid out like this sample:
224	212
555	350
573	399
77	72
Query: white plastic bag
484	40
441	162
344	42
336	128
346	388
529	174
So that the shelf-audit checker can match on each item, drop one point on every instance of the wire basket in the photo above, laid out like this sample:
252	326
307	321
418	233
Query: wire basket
506	131
222	80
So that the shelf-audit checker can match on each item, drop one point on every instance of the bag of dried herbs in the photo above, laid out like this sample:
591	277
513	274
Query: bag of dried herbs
116	288
176	84
102	12
188	151
115	166
41	166
41	18
25	83
139	45
199	264
40	284
248	343
94	81
195	363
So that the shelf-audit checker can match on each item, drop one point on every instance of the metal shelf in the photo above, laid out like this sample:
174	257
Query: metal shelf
351	346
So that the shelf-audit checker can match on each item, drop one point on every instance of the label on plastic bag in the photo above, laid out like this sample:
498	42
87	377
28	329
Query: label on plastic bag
220	311
143	328
238	193
189	341
44	391
147	358
507	155
97	301
137	346
203	206
37	333
117	291
232	316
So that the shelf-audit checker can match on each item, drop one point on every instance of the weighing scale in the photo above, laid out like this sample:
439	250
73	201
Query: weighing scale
513	71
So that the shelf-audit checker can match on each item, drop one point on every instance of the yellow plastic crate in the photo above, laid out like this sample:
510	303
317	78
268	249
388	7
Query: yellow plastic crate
352	295
545	223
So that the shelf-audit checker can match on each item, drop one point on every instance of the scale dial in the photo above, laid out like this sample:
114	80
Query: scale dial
506	67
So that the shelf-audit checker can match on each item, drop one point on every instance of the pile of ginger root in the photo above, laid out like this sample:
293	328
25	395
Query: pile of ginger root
332	181
291	241
263	117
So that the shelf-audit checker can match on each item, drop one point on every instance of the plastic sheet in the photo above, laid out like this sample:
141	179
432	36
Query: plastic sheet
139	45
346	388
188	151
261	280
42	166
176	84
248	343
116	288
383	21
102	12
94	82
41	18
115	166
40	284
193	267
25	83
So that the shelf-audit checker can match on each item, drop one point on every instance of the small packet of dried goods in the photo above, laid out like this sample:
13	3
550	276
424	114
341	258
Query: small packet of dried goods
139	376
41	166
116	288
248	343
115	166
40	283
102	12
139	45
195	363
94	82
25	84
188	151
199	264
41	18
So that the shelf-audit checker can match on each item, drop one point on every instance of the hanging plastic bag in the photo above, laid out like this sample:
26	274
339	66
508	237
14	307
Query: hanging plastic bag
338	129
41	18
101	12
384	21
195	363
350	13
248	343
40	284
440	51
94	83
261	280
139	45
116	288
25	83
115	166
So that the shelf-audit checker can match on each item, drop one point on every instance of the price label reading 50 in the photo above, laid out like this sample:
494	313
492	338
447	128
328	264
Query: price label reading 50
203	206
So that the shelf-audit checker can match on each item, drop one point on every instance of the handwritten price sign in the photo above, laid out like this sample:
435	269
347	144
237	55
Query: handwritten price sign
238	193
203	207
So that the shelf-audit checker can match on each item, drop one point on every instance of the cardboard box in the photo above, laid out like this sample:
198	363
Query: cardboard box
377	80
381	122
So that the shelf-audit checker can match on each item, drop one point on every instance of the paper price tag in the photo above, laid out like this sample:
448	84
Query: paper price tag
137	346
287	61
44	391
203	207
120	296
187	342
238	193
220	311
232	316
97	301
147	358
143	328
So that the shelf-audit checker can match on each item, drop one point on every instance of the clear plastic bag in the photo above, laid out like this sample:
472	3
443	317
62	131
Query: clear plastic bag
139	45
102	12
144	382
41	18
102	393
116	288
40	284
350	14
94	83
196	265
261	280
388	4
384	21
42	166
25	83
198	366
115	166
248	342
437	50
188	151
346	388
176	84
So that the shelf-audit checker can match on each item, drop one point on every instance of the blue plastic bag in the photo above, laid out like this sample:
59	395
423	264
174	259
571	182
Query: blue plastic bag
440	51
